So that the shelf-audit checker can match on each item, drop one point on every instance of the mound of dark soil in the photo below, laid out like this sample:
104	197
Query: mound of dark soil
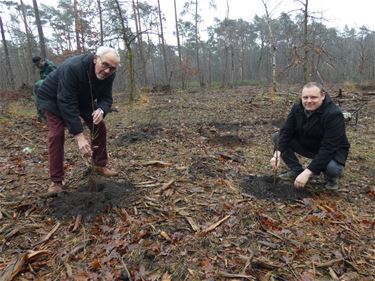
141	133
92	199
265	188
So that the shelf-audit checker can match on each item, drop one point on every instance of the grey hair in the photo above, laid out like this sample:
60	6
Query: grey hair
317	85
105	50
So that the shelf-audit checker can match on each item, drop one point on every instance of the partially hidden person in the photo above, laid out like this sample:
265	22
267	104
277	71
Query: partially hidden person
45	67
81	87
315	129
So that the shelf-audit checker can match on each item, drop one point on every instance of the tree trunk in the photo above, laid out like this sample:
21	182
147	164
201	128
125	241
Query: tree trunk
163	45
197	44
273	48
100	22
182	71
42	44
140	42
130	63
305	43
77	25
29	45
8	66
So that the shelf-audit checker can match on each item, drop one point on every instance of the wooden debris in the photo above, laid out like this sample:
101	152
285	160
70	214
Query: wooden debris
192	223
13	232
328	263
165	236
77	223
216	224
157	163
333	274
14	268
17	265
48	236
165	187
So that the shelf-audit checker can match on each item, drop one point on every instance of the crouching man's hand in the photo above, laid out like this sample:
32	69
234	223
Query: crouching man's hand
302	178
97	116
83	145
275	160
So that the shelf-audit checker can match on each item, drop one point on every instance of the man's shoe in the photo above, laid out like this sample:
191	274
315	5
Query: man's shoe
288	176
332	185
104	171
54	187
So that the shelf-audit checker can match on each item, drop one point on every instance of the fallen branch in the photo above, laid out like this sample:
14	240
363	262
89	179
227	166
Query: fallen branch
328	263
215	225
157	163
48	236
18	264
165	187
14	268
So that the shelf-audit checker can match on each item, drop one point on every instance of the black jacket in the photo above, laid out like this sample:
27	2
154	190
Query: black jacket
322	133
73	90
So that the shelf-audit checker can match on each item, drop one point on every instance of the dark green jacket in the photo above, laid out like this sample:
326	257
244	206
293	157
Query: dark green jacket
47	69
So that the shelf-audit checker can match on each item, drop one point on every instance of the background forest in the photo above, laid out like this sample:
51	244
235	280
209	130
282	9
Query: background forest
291	48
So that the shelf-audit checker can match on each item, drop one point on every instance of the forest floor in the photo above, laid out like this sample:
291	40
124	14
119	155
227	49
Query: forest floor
195	198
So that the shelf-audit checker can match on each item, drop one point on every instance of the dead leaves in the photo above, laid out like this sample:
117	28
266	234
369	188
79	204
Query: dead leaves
18	264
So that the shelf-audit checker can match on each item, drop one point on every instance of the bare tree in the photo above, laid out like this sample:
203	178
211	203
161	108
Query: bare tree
100	22
77	24
29	43
140	41
182	72
9	72
273	47
130	59
163	44
42	44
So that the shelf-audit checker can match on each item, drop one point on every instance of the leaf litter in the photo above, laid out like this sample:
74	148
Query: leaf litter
195	198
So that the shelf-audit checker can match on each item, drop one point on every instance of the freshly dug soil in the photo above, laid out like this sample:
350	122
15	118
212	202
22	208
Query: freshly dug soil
264	188
92	199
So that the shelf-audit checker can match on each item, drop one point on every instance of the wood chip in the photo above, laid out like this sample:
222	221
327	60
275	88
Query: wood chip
165	187
157	163
165	236
14	268
216	224
48	236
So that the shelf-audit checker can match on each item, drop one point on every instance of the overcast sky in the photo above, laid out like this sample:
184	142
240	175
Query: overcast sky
337	13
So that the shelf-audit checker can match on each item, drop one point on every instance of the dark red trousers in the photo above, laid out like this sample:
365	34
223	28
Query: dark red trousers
56	139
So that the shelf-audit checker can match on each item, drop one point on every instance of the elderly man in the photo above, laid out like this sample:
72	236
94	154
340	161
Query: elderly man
45	67
81	87
315	129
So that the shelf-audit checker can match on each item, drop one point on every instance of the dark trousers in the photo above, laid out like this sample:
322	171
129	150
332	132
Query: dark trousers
333	169
56	139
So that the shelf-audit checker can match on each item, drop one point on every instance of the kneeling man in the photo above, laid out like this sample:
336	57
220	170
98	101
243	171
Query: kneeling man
315	129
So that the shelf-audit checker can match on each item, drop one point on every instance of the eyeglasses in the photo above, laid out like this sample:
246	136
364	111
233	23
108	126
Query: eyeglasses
106	65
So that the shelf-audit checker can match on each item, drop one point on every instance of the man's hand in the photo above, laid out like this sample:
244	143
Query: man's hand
302	178
97	116
83	145
275	160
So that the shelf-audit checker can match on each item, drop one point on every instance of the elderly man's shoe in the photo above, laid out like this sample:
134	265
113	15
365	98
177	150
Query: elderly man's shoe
104	171
54	187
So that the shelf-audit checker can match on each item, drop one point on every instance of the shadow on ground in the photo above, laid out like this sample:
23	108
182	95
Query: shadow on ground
93	198
264	188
